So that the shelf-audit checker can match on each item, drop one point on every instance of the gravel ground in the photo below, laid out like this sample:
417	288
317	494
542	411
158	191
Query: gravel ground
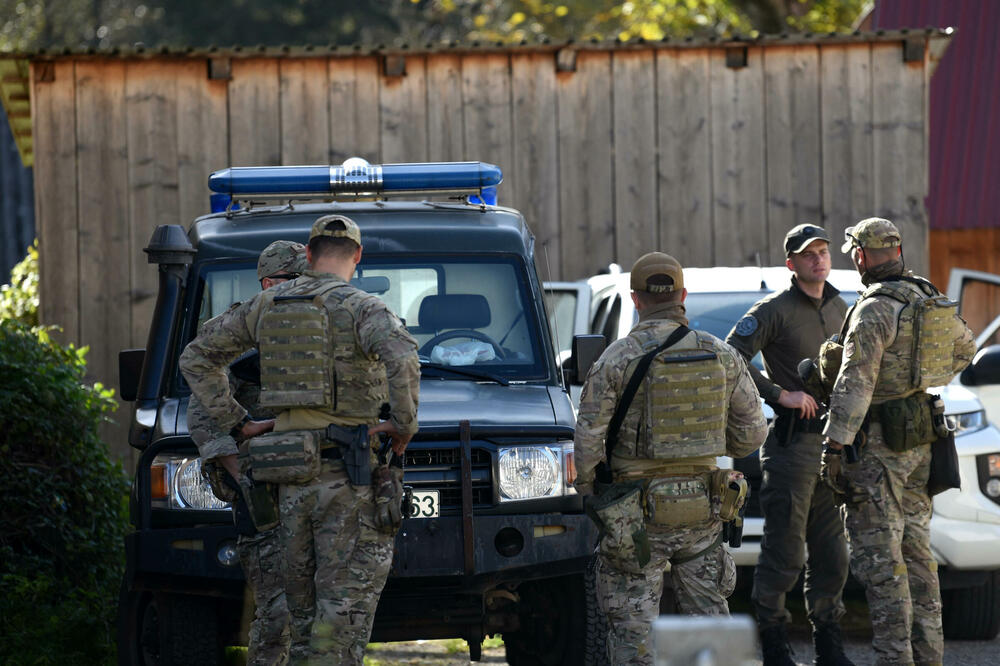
857	641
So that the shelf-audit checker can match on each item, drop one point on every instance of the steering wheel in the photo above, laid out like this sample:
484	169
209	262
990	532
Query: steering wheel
428	346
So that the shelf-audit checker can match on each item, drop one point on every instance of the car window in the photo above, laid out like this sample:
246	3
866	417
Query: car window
475	311
561	305
610	327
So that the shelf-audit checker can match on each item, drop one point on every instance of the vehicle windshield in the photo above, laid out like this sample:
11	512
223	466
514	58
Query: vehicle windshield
462	311
718	311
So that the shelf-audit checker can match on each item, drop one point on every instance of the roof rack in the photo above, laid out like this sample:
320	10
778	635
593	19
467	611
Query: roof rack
354	178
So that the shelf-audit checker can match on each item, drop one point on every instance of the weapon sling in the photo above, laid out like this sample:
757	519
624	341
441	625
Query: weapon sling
641	368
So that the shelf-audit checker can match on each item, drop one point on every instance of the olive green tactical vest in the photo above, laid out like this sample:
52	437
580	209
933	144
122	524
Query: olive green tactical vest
679	410
925	340
309	356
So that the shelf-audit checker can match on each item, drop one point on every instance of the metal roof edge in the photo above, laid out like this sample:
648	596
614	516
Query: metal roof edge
15	95
544	45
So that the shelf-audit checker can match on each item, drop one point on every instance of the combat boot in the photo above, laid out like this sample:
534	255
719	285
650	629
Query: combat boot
829	645
774	646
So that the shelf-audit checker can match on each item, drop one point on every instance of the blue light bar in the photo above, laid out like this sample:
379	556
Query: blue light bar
355	176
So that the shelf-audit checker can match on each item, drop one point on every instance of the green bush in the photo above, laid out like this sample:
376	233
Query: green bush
64	503
19	298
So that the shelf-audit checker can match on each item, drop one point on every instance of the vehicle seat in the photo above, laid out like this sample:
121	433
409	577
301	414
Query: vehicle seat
441	312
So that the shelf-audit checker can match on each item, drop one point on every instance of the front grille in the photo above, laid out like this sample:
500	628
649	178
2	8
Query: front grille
441	469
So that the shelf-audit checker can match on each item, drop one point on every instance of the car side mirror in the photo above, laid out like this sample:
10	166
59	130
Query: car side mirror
984	369
129	370
586	350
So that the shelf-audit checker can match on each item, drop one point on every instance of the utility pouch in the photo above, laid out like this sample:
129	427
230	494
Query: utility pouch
906	422
215	475
944	466
677	502
261	503
617	512
831	356
290	457
729	492
357	451
387	482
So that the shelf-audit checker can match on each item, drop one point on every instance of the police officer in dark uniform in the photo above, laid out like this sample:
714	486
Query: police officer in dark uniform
798	508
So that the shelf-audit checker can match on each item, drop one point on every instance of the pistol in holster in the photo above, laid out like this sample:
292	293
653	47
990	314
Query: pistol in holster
255	508
356	451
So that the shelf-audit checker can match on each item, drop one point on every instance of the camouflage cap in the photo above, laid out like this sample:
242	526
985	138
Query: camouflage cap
657	273
874	233
801	236
282	257
350	228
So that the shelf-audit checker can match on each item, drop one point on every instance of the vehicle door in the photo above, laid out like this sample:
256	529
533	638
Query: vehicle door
978	294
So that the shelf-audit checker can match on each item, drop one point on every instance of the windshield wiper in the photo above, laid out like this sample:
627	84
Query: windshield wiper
475	374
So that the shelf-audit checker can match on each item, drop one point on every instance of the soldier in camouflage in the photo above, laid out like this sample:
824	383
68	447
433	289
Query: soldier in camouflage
669	453
885	497
259	551
786	327
336	559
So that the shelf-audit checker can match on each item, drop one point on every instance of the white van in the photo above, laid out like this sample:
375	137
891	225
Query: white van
965	527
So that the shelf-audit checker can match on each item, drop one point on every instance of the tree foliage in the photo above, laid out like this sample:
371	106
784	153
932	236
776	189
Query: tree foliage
64	506
32	24
19	298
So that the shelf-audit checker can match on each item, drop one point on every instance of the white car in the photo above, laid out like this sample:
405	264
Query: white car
965	526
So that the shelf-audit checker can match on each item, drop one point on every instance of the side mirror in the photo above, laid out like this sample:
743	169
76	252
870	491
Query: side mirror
129	370
586	350
984	369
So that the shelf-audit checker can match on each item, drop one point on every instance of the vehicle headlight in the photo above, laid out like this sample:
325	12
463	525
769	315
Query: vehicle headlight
177	484
969	422
989	475
530	472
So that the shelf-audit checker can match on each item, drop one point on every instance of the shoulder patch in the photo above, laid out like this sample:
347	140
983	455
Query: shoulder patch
746	326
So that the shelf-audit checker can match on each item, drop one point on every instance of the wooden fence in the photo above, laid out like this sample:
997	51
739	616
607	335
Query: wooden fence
709	152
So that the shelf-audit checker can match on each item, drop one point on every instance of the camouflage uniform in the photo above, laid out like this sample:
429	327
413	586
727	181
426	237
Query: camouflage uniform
889	531
702	571
259	552
336	561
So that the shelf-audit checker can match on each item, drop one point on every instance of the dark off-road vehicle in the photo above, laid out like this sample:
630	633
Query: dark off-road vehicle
497	541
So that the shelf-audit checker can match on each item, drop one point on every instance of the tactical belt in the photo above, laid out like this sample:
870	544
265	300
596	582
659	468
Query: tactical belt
813	426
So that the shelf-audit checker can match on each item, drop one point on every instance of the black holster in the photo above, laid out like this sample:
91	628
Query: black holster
357	451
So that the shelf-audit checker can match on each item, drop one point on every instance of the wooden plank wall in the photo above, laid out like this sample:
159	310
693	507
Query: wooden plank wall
634	149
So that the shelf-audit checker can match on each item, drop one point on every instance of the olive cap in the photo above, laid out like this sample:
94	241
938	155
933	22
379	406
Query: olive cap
874	233
282	257
657	273
799	238
350	230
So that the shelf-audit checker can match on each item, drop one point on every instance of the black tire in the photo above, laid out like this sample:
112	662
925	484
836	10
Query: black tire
553	624
973	613
596	642
167	630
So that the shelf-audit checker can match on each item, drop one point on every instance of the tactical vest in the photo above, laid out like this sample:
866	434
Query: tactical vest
924	337
679	410
309	355
924	340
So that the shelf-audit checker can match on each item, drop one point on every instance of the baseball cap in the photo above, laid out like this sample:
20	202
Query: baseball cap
350	230
799	237
657	273
282	257
873	233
